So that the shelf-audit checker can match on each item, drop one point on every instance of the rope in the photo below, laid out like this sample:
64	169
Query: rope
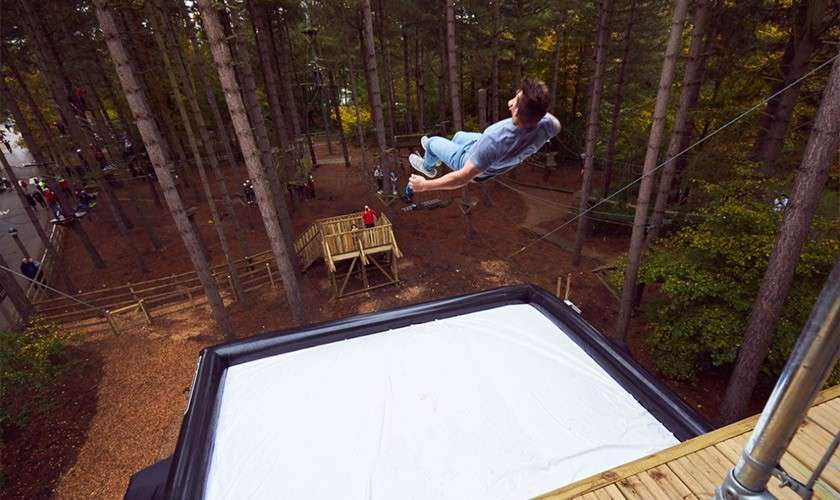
38	283
684	151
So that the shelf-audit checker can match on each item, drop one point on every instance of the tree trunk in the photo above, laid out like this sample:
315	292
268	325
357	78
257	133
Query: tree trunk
53	147
285	77
305	111
16	294
804	47
222	135
619	99
482	124
21	123
578	80
386	72
454	92
33	218
122	113
555	68
457	122
236	106
56	85
494	64
443	78
692	80
409	111
359	131
334	97
373	82
172	63
263	39
811	177
651	155
592	128
152	139
254	111
420	79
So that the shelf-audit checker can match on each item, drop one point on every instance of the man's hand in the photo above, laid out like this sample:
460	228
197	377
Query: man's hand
452	180
417	183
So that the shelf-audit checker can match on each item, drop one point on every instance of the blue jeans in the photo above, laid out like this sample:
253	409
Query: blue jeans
453	153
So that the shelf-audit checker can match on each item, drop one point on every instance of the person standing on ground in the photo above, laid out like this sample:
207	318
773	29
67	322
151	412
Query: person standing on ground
52	201
29	267
28	195
377	174
475	157
395	179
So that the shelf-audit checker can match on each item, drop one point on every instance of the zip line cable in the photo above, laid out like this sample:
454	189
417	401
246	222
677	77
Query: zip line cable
689	148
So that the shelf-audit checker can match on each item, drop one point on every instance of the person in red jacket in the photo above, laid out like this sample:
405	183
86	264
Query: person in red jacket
369	217
52	201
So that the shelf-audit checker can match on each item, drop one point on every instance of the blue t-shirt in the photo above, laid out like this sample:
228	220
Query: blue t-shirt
503	146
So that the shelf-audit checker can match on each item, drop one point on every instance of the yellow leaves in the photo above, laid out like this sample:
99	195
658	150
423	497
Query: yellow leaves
547	42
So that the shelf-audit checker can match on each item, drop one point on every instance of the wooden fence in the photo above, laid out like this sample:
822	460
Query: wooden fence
254	272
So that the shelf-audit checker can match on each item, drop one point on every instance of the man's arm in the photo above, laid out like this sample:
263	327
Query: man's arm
452	180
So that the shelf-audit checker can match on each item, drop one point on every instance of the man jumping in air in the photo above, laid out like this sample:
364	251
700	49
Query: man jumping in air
504	145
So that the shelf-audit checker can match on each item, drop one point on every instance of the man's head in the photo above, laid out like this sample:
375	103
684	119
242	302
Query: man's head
529	104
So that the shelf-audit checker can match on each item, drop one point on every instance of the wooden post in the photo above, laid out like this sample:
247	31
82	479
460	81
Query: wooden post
112	323
568	286
142	307
559	285
232	289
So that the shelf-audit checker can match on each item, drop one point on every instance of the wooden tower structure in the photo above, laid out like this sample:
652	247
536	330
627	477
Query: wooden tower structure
358	259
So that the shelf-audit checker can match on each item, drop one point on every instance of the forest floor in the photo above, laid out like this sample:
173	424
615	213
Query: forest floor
119	408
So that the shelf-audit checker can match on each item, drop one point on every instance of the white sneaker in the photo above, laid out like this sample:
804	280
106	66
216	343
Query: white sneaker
423	141
418	165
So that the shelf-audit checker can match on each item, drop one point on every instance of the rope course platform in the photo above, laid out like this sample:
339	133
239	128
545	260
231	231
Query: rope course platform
350	250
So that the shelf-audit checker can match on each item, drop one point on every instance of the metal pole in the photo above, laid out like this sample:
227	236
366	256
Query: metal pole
813	357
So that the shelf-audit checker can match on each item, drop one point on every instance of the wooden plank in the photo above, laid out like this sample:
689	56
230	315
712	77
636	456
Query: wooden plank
708	472
611	492
665	479
827	416
809	445
684	471
633	488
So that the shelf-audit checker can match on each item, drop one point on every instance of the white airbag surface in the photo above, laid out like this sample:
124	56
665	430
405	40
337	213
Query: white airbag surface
493	404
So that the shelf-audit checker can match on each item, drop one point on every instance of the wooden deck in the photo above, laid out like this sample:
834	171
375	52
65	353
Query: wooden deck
694	469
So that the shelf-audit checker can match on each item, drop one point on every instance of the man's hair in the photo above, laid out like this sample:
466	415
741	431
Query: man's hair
533	104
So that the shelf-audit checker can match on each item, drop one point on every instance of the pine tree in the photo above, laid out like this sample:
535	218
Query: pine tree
256	169
646	188
152	139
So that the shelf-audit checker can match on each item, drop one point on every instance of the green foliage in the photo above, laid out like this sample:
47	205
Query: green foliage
30	362
709	275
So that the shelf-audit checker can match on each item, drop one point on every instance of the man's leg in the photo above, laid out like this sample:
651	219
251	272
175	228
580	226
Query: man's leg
440	149
465	137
